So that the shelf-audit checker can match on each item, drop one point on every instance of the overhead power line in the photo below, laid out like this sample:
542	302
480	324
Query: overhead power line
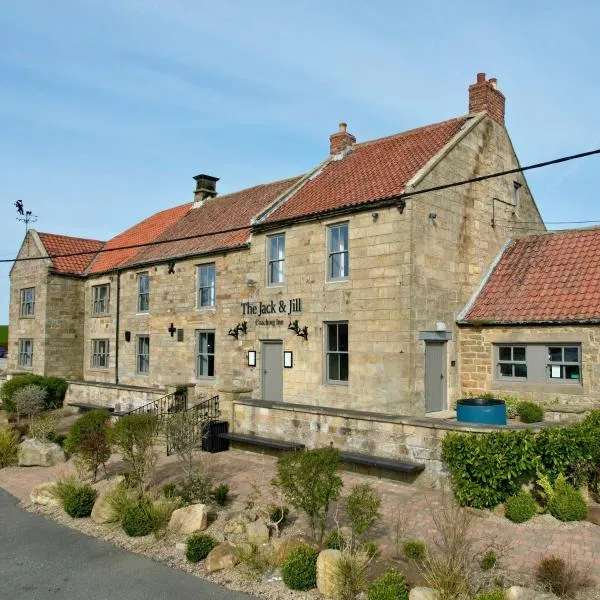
403	195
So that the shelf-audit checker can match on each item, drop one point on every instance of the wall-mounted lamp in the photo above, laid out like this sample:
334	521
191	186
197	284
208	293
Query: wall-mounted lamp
251	358
128	336
239	328
375	216
300	331
432	216
171	268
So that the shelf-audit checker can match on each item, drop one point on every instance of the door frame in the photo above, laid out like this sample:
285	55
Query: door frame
264	343
436	337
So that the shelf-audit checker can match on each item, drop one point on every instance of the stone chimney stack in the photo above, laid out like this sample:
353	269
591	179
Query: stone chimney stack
484	96
341	140
206	187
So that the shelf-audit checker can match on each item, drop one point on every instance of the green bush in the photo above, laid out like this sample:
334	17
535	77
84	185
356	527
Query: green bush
299	568
415	550
520	507
495	594
56	388
562	578
198	546
137	520
278	514
89	438
335	540
196	490
9	445
169	490
58	438
80	501
488	560
120	499
362	508
371	549
310	481
529	412
567	503
389	586
219	494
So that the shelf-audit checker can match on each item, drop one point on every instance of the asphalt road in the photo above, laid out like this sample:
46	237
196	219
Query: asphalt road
41	560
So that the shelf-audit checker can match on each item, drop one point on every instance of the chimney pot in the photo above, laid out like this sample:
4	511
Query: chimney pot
494	82
206	187
480	77
341	140
343	127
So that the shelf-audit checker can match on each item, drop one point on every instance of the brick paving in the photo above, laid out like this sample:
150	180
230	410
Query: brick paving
242	470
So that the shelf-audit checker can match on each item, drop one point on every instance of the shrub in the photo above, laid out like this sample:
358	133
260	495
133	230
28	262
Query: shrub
169	490
198	546
120	499
278	514
529	412
350	574
160	513
362	508
255	560
57	438
520	507
219	494
511	403
55	387
335	540
89	438
370	549
134	435
196	489
9	446
488	560
42	427
567	503
28	400
415	550
561	577
137	520
389	586
64	487
495	594
299	568
80	501
185	430
310	481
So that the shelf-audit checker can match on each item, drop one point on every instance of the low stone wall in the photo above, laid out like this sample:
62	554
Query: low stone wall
119	397
392	436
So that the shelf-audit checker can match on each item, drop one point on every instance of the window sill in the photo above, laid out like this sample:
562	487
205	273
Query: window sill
341	280
575	389
99	315
142	314
338	383
199	378
100	369
27	317
206	308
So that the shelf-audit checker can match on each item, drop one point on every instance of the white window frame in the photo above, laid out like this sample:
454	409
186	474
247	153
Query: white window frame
200	355
26	353
143	293
98	302
336	251
100	357
211	287
336	352
276	242
27	302
142	359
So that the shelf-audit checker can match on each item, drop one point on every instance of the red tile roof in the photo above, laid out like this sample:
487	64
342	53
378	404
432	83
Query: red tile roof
57	245
541	278
371	171
230	211
142	233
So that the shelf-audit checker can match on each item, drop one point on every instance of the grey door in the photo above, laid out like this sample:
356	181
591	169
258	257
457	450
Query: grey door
272	363
435	376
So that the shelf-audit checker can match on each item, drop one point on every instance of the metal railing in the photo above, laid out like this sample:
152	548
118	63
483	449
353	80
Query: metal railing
171	403
198	419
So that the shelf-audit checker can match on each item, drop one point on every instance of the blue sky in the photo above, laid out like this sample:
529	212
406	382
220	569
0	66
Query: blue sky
107	109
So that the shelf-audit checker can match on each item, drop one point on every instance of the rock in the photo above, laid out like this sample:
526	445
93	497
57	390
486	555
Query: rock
43	454
237	522
593	514
43	494
520	593
423	593
223	556
189	519
103	511
284	545
326	564
257	532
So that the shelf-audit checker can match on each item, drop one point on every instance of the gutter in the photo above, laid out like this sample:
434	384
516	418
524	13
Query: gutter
549	322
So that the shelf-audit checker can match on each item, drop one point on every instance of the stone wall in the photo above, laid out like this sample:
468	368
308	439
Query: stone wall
477	363
110	396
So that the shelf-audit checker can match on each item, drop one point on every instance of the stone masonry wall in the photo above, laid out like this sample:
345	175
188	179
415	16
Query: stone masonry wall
477	362
110	396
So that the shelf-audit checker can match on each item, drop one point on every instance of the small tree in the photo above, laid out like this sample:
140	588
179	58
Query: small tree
134	436
28	401
362	508
89	438
185	430
310	481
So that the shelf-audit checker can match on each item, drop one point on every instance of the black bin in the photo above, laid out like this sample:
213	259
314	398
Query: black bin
211	442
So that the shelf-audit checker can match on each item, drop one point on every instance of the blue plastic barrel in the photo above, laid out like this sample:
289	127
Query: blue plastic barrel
485	411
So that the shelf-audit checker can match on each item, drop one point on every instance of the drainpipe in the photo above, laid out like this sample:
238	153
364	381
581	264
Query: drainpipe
117	328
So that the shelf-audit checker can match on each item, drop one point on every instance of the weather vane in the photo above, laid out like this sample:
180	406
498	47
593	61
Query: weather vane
26	215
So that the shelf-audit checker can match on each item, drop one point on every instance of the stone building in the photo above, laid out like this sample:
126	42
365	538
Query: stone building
324	305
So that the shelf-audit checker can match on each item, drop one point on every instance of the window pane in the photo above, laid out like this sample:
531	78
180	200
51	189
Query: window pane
504	353
556	372
205	297
518	353
555	354
343	337
345	260
344	237
203	365
572	372
335	266
520	370
211	366
335	239
333	370
571	354
332	343
210	343
343	367
506	370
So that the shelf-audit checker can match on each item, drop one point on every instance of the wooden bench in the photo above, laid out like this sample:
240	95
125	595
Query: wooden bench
82	406
260	441
382	462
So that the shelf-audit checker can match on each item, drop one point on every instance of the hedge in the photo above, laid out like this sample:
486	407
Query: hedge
56	388
488	468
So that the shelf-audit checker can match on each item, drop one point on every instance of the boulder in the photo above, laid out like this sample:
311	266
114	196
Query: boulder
103	511
223	556
593	514
326	565
43	494
423	593
257	532
189	519
43	454
521	593
237	521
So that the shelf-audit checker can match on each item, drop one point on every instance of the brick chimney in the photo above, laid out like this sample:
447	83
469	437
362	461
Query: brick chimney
206	187
341	140
484	96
